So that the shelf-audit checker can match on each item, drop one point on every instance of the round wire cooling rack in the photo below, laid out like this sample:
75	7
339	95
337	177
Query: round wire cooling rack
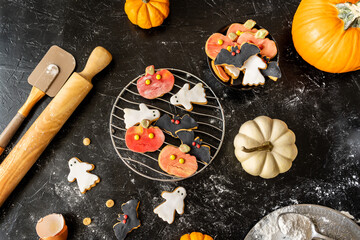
210	118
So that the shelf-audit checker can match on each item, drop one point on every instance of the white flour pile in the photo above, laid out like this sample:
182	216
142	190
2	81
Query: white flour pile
295	226
269	229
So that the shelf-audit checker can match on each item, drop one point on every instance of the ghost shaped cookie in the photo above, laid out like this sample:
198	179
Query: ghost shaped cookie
187	97
127	221
174	201
133	116
79	171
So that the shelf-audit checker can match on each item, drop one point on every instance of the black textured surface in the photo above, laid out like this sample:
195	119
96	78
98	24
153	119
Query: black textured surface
223	201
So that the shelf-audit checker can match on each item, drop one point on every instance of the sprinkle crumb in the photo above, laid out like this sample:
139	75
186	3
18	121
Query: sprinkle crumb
86	141
110	203
87	221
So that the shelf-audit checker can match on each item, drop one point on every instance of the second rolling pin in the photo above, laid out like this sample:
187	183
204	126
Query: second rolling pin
47	125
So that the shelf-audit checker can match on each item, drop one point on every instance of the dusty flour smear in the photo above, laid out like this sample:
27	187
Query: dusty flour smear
268	229
295	226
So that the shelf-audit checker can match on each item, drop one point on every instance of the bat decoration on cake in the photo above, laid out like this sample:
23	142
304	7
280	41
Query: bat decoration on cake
201	152
127	221
238	56
176	123
272	71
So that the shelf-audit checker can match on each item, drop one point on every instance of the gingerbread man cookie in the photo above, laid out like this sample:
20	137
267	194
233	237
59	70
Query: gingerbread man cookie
80	171
186	96
127	221
174	202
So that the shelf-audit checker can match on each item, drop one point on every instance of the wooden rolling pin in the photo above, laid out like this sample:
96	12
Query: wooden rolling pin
36	139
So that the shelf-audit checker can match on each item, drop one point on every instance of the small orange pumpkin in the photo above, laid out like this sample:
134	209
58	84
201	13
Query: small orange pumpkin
196	236
326	34
147	13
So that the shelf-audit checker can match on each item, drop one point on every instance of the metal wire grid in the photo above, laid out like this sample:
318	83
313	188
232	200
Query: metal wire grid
210	118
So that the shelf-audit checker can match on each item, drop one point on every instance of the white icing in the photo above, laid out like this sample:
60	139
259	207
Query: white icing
174	202
132	116
233	71
252	74
186	96
79	171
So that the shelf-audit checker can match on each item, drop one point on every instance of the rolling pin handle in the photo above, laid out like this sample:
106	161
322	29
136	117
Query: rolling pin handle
98	60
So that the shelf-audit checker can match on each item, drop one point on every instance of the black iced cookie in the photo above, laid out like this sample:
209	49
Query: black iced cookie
272	71
127	221
201	152
171	125
237	57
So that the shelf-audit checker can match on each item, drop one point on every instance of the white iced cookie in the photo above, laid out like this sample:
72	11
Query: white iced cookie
174	202
186	96
253	76
233	71
132	116
80	171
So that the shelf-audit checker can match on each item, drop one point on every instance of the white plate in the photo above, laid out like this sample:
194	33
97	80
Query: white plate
328	222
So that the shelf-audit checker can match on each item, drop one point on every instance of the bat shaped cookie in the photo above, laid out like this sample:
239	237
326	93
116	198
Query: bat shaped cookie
272	71
127	221
237	57
175	123
201	152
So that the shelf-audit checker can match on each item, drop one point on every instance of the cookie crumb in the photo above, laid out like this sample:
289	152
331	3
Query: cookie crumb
87	221
110	203
86	141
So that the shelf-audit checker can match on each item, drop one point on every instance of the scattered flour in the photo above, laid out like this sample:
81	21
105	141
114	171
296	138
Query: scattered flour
295	226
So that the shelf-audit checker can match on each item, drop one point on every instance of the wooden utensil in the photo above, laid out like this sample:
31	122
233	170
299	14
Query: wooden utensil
36	139
47	78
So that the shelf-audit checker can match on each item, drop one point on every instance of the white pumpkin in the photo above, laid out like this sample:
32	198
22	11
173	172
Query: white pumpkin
265	147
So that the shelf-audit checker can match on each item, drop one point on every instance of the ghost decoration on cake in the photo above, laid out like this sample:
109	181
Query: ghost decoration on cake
133	116
174	202
186	96
79	171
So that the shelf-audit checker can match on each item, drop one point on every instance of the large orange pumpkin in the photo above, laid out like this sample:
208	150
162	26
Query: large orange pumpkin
147	13
196	236
326	34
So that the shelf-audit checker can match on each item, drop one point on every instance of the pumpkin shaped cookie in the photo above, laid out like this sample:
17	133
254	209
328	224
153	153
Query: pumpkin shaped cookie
176	161
236	29
154	85
215	43
265	147
143	138
268	47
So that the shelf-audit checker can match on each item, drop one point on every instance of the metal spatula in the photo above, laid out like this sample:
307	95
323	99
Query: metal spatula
47	78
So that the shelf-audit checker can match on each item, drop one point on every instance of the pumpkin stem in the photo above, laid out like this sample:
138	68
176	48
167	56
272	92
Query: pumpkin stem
249	24
145	123
350	14
184	148
146	1
266	146
262	33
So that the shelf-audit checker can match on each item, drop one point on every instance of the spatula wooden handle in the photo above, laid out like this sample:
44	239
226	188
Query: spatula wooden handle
5	137
10	130
43	130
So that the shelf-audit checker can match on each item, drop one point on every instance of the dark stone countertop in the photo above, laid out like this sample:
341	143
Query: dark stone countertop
223	201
